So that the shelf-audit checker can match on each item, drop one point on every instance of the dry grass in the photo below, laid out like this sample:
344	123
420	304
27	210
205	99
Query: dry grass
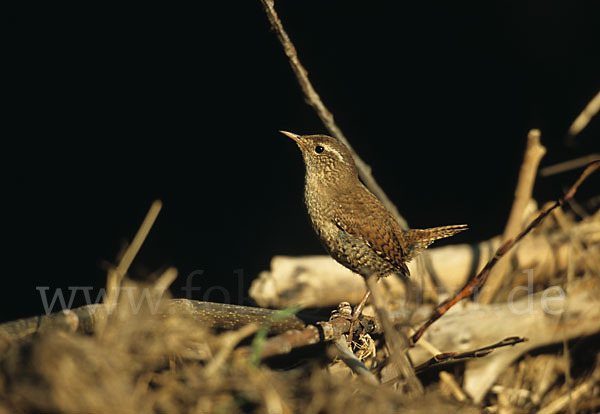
154	363
165	362
155	360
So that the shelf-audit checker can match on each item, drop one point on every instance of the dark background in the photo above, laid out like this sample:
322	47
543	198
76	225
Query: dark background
110	108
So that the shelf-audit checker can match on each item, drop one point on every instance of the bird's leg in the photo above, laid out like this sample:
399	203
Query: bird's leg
359	308
357	313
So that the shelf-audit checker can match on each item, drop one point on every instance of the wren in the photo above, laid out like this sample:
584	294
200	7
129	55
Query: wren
353	225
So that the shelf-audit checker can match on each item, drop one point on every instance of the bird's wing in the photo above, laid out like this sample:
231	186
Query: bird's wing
363	216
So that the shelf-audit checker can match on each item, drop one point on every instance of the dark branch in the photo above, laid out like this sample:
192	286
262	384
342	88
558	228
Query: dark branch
449	357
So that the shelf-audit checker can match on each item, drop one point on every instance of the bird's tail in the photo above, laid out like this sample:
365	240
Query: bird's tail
419	239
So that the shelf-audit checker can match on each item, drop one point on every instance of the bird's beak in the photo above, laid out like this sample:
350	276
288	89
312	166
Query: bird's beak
295	137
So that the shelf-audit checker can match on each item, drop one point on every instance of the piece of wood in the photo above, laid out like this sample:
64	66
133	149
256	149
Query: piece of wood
319	281
544	318
533	154
585	116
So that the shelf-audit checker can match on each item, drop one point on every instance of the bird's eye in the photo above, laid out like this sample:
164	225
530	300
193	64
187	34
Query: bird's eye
319	149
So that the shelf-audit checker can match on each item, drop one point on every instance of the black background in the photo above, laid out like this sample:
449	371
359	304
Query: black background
111	107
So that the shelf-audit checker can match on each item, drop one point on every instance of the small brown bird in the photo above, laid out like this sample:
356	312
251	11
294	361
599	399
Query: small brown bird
354	226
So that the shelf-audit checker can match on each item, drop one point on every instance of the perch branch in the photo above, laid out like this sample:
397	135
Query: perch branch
481	277
224	316
314	100
285	342
85	319
323	331
290	331
533	154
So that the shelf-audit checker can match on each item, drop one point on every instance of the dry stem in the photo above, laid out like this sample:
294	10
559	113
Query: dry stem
482	276
116	275
533	154
569	165
585	116
561	403
314	100
397	344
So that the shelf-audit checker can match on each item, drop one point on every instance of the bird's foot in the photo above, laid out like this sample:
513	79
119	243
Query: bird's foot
360	325
354	324
344	310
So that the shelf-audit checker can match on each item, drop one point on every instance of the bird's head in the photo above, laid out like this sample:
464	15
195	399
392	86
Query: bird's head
325	157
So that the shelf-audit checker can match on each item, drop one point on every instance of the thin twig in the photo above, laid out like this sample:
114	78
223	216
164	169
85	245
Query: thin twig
568	165
397	344
568	377
314	100
561	403
116	275
533	154
585	116
455	389
448	357
565	343
481	277
163	282
229	340
427	346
